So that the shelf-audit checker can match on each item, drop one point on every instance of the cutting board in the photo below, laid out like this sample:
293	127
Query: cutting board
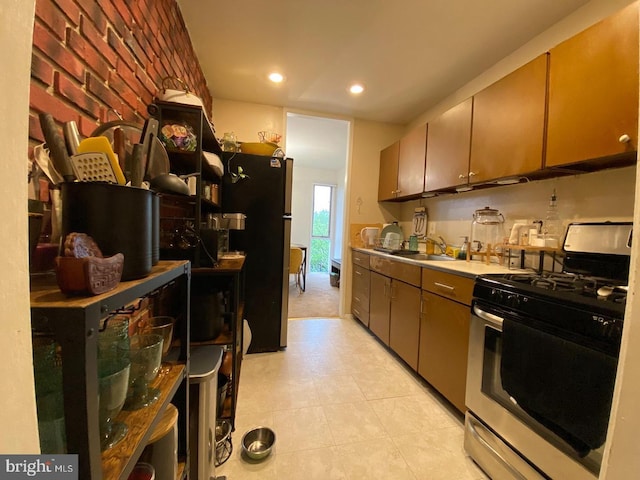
354	233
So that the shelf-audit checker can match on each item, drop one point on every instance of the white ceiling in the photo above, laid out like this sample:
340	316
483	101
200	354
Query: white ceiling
409	54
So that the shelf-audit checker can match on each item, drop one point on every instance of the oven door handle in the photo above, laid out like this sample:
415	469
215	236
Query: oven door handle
472	429
494	320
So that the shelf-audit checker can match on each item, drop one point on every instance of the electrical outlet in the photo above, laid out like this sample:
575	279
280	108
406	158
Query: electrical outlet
431	228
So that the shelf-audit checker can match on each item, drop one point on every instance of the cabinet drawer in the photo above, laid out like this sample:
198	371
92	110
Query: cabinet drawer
361	279
360	314
448	285
399	270
361	259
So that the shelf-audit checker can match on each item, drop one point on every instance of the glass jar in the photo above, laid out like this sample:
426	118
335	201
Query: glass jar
487	229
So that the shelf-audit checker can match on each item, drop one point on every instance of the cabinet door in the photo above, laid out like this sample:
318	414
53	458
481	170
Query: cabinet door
360	294
379	306
444	341
411	162
508	124
404	325
388	180
593	91
448	147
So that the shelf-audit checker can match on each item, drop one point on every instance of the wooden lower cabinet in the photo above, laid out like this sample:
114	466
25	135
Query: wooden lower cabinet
360	293
444	341
404	324
380	306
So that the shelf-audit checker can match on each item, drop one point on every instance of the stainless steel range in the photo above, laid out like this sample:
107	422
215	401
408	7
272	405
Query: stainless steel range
543	355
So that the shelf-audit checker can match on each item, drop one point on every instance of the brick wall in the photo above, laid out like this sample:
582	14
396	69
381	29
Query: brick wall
90	56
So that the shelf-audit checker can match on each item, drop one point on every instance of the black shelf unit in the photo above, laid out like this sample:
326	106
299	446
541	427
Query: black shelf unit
74	323
193	162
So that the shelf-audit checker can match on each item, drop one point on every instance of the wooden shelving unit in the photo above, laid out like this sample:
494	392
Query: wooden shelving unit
74	324
228	276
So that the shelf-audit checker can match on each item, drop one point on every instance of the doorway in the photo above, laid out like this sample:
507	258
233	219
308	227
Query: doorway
319	148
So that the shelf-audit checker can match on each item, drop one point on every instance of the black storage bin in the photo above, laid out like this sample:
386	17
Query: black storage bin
117	217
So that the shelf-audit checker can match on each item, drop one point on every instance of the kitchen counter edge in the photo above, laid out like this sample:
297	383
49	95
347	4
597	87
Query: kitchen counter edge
469	269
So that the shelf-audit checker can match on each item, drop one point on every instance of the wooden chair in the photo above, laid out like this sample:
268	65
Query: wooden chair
295	266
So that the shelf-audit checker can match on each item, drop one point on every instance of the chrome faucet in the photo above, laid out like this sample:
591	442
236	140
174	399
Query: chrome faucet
440	243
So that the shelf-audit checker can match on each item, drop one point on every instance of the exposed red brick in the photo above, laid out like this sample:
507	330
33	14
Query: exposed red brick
104	94
113	16
95	14
44	102
97	55
41	70
96	39
69	8
35	132
48	13
74	94
86	126
90	55
118	46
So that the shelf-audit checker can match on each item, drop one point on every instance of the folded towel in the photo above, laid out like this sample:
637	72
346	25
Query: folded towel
565	386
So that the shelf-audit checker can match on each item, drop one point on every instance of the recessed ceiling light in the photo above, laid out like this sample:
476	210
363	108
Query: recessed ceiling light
276	77
356	89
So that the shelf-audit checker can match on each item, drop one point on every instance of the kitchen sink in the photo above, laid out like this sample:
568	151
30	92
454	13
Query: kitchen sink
425	256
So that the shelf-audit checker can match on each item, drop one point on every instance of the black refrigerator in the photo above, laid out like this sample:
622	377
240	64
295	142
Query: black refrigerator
260	187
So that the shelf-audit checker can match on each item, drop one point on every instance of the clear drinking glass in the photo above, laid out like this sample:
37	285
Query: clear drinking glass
160	325
113	392
146	355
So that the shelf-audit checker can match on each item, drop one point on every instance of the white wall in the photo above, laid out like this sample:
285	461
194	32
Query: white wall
19	432
246	119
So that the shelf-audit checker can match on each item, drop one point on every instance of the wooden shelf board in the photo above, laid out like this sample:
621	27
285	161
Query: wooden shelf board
119	460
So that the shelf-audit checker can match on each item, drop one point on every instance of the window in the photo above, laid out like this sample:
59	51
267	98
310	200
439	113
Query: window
321	228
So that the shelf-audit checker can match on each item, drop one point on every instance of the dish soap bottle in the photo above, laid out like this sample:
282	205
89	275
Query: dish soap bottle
551	226
462	253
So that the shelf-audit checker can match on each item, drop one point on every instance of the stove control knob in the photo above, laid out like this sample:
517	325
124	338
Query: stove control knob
513	300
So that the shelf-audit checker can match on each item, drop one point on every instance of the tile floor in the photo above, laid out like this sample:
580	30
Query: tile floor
344	408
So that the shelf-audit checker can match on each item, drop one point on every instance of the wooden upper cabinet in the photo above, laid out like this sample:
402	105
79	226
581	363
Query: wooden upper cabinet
388	179
448	148
508	124
411	161
593	91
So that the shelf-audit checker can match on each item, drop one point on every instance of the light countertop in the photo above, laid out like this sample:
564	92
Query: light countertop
461	267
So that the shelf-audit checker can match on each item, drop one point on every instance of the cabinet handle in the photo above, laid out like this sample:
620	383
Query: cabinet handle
358	273
391	290
355	310
446	287
357	299
624	138
473	174
462	176
421	305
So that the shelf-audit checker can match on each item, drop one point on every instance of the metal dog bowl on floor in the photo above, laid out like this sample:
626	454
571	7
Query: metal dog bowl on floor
257	443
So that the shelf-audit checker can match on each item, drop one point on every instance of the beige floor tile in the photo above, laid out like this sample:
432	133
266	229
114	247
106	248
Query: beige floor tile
382	384
337	389
374	459
410	414
438	455
353	422
316	464
301	429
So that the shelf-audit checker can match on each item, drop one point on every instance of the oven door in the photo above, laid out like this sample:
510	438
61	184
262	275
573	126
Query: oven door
493	407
